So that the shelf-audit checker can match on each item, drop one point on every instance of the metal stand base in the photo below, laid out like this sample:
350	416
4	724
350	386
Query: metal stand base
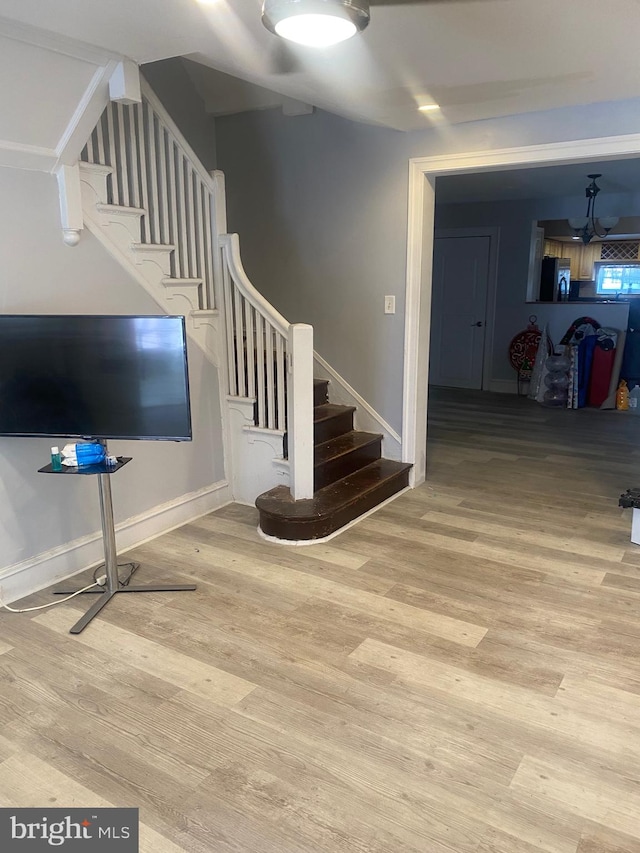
113	586
106	596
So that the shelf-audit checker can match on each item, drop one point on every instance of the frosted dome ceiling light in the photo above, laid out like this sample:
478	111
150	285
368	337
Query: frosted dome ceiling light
315	23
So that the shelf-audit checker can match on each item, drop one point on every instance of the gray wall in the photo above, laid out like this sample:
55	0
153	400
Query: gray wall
320	204
40	275
169	80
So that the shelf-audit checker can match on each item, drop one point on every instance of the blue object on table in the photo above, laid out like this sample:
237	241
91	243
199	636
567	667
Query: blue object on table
90	453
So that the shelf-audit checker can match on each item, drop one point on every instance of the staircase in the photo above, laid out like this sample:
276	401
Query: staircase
350	477
120	229
154	207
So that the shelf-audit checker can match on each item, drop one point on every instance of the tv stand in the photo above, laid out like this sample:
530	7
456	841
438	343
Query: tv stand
112	587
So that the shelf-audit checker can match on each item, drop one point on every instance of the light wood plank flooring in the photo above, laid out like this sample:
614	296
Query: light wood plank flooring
459	672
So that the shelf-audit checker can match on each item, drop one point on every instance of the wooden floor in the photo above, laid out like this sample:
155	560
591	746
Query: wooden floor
459	672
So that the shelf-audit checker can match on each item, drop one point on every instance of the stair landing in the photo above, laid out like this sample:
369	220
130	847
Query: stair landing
332	506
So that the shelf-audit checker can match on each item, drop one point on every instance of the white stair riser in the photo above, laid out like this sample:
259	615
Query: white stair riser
159	256
253	452
96	177
186	296
121	233
107	216
151	276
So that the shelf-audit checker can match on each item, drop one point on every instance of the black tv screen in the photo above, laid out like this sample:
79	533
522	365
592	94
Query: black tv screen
94	377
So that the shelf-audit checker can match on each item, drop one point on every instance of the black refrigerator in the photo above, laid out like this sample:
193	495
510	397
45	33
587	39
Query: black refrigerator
555	278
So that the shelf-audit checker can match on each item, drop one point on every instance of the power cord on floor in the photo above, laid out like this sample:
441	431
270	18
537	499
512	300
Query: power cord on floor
52	603
133	567
98	580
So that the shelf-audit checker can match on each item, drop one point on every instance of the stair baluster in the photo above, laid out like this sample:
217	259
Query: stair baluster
154	172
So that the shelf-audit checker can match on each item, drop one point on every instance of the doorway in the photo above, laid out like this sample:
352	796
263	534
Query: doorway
422	177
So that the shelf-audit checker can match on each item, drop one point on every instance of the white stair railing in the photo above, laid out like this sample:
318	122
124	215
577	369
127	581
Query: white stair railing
268	359
155	170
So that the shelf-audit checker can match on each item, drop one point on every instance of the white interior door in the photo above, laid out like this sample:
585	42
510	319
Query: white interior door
458	311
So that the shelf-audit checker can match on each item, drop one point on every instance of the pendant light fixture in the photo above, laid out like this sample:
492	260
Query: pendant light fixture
315	23
587	227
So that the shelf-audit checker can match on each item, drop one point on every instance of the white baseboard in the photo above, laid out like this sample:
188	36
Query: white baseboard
52	566
504	386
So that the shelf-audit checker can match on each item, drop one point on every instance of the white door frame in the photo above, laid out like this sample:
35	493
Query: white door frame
420	233
492	288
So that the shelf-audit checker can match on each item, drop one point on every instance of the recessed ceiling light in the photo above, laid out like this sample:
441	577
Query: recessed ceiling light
429	108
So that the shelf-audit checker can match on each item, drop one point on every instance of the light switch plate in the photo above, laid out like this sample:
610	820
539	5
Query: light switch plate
389	305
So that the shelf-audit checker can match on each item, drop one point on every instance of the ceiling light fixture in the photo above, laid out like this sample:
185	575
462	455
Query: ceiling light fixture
586	227
315	23
429	108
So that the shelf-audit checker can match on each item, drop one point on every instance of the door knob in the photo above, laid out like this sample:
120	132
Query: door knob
478	324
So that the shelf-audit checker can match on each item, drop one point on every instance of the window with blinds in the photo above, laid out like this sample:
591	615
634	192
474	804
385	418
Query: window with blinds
617	279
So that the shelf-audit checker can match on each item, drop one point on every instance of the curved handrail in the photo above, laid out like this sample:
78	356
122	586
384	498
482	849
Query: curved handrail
230	245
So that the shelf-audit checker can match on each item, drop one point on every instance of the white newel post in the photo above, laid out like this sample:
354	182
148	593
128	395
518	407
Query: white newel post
300	410
218	217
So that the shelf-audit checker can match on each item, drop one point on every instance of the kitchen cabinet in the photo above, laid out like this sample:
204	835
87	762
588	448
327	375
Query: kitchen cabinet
554	249
589	254
573	252
582	257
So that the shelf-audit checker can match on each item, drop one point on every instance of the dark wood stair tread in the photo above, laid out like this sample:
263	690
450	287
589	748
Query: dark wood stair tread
330	421
330	410
342	444
332	506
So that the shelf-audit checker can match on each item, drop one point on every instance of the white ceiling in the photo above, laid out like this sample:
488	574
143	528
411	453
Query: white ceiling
477	58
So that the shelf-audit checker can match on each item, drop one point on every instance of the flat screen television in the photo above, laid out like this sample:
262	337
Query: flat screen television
97	377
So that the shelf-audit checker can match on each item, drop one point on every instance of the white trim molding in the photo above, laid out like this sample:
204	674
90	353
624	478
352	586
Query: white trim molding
19	155
81	119
55	42
85	116
503	386
52	566
420	234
